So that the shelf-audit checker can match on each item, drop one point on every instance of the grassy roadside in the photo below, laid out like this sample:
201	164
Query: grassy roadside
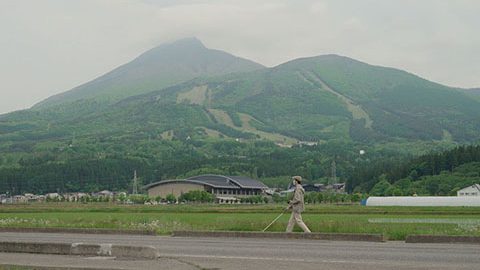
395	222
15	267
243	208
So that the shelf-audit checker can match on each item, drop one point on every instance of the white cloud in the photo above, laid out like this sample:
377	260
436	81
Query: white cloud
50	46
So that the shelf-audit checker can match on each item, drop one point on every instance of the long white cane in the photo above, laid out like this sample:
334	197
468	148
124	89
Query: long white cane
274	221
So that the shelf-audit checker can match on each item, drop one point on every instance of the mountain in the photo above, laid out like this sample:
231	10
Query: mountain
393	103
314	99
183	109
472	92
155	69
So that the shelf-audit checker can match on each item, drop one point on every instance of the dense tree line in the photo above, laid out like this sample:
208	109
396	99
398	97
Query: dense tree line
86	164
439	173
109	164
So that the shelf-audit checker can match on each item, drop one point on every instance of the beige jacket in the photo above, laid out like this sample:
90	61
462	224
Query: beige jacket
297	204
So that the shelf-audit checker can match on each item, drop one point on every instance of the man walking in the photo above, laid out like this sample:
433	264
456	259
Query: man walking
297	205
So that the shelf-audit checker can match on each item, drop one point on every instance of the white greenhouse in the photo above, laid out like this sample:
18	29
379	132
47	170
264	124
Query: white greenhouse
424	201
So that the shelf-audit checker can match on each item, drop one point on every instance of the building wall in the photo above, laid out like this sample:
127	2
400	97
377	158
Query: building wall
173	188
236	192
424	201
468	191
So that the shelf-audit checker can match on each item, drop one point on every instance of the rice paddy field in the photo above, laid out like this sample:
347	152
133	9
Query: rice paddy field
395	222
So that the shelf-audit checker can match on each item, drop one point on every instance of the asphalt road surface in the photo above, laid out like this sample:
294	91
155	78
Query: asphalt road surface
249	253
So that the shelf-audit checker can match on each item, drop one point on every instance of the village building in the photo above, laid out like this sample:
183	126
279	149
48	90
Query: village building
3	198
74	197
218	185
53	195
19	199
103	193
473	190
338	187
30	197
335	188
313	187
227	200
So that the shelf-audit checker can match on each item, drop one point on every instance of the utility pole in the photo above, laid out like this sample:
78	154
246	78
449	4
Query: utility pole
135	182
334	171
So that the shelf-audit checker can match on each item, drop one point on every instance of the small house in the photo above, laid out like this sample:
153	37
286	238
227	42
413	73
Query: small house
473	190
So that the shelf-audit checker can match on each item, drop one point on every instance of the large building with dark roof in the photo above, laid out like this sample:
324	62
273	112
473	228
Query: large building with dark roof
218	185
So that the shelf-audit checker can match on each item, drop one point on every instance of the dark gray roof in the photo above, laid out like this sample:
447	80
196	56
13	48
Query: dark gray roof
215	184
248	182
217	181
241	181
214	181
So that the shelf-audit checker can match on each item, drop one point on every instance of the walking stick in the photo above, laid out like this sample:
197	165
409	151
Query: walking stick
274	220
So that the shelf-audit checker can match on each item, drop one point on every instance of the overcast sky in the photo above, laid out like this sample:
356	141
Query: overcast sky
50	46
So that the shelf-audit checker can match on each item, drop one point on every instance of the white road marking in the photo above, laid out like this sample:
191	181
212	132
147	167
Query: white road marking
261	258
100	258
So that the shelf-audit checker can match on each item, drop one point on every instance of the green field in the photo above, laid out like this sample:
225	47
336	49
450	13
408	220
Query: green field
395	222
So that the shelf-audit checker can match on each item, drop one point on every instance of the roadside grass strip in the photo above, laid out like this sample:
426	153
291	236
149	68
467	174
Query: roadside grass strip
393	222
466	225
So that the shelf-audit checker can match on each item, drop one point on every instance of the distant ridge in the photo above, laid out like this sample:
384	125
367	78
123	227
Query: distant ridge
183	86
155	69
474	91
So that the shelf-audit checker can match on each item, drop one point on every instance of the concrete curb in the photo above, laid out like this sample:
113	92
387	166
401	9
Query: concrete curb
36	267
78	230
442	239
143	252
35	247
282	235
81	249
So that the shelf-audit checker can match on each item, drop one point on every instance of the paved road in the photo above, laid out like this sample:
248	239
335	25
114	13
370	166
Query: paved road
247	253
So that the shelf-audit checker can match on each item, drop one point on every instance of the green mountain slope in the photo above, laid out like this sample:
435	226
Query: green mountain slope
473	92
157	68
326	97
400	104
312	99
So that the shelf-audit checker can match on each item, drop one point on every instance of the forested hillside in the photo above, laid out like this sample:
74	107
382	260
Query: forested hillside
434	174
474	92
